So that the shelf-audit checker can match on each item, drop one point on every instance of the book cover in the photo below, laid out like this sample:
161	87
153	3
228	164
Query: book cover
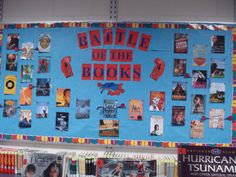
10	84
178	115
11	62
82	109
10	107
157	101
140	168
43	87
26	73
42	165
63	97
217	44
0	66
179	90
216	118
42	109
44	64
109	128
206	161
135	109
199	79
217	68
13	41
62	121
111	167
110	108
197	129
106	167
25	96
199	55
217	92
44	43
27	51
179	67
156	125
180	43
25	118
198	104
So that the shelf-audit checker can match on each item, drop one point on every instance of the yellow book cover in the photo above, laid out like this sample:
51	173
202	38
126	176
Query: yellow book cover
10	85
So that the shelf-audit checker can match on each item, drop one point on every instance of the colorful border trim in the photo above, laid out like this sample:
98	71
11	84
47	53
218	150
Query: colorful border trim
120	25
142	143
234	88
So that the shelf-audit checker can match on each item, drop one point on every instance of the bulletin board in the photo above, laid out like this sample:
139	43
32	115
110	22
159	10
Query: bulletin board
117	83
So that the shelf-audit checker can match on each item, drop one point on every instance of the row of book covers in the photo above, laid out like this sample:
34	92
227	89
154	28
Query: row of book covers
193	161
33	163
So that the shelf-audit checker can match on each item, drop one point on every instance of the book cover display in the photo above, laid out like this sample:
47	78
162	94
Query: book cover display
122	167
57	79
42	164
196	161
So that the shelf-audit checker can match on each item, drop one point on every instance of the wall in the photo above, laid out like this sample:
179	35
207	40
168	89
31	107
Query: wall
177	10
55	10
128	10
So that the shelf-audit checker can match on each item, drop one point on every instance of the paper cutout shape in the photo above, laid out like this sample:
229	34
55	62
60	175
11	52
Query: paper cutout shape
113	89
66	67
158	69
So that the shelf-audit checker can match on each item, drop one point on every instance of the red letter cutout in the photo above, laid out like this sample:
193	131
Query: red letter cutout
107	36
82	40
111	72
120	36
99	54
86	71
95	38
98	72
124	72
144	42
121	55
132	39
137	72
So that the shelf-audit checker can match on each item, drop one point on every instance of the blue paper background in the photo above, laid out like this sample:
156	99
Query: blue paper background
65	43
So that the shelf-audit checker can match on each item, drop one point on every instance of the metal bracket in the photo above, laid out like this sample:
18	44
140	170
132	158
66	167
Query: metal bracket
114	10
1	10
234	10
